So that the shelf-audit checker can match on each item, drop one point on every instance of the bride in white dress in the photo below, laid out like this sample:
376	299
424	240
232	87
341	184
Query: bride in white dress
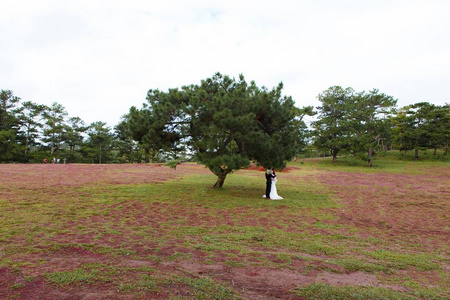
273	189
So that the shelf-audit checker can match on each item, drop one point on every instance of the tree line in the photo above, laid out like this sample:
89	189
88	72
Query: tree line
30	132
224	123
363	123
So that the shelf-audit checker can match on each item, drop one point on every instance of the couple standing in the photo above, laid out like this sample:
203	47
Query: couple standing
271	186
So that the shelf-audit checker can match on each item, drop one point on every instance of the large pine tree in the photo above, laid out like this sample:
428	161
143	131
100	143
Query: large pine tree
225	122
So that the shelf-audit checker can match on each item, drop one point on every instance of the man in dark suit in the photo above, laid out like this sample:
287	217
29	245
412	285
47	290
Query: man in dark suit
269	177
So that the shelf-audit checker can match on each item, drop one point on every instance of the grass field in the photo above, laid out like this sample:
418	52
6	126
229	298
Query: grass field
146	231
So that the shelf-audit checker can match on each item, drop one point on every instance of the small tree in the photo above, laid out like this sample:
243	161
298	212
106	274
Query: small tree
353	121
422	125
438	127
100	138
304	133
400	127
54	117
332	130
10	147
73	133
128	149
30	119
369	121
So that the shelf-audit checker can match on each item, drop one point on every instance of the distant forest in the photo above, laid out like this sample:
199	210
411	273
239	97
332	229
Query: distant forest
361	124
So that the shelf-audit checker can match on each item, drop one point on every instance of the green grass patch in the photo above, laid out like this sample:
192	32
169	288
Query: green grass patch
354	265
391	161
207	288
144	283
314	244
234	263
284	257
421	261
75	276
324	291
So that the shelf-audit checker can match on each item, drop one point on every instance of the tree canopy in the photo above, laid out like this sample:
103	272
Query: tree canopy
224	122
356	122
420	126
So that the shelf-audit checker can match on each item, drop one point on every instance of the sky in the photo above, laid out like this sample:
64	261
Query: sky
98	58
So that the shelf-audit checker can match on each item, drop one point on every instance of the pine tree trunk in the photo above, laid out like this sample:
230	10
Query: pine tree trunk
370	157
53	145
416	153
334	154
100	155
220	179
26	143
130	159
384	145
446	150
334	158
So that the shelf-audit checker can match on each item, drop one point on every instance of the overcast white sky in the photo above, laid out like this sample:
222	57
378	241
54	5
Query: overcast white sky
99	58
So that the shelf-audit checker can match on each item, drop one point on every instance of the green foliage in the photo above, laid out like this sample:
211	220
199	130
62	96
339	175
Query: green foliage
370	123
54	126
29	116
172	164
30	132
99	142
421	126
10	139
73	134
356	122
332	129
224	121
8	103
129	151
9	149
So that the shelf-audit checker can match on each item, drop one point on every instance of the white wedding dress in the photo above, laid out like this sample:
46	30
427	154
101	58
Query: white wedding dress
273	191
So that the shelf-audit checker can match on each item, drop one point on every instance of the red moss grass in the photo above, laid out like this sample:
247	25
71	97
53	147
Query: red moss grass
397	204
127	235
36	176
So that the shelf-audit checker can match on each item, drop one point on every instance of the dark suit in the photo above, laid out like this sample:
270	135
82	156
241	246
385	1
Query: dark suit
268	184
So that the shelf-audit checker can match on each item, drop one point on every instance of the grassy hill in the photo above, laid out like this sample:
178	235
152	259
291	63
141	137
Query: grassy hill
343	231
